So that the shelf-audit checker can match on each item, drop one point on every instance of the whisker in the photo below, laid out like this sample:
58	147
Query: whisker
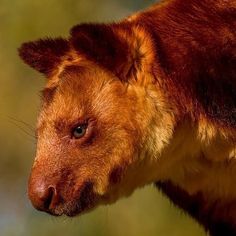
29	131
24	131
22	122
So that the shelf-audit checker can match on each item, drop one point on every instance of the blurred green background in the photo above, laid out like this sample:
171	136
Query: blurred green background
147	212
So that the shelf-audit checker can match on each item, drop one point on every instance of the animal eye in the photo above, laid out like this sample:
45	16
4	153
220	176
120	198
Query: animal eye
79	131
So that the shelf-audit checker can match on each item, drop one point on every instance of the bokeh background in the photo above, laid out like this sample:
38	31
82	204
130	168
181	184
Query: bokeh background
147	212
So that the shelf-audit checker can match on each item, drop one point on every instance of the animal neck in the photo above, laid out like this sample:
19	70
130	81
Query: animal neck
200	177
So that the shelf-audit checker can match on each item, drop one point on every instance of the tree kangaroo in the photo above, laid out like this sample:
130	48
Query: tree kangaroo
149	99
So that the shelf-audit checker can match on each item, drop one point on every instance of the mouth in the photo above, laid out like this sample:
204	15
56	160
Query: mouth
79	205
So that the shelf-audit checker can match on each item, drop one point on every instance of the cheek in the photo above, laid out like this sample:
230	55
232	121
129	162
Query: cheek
115	175
110	175
105	159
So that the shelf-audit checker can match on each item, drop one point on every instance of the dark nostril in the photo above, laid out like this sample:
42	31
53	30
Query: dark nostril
49	198
41	196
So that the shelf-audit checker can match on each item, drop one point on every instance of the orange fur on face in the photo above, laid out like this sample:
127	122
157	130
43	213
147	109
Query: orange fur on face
156	93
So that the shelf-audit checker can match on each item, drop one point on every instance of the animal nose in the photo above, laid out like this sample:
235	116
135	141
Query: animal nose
43	197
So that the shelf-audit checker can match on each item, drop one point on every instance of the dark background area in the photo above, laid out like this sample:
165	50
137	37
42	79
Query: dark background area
147	212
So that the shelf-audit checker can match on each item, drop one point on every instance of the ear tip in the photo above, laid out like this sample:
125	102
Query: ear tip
89	28
74	30
46	43
25	51
28	53
22	48
80	28
43	54
28	49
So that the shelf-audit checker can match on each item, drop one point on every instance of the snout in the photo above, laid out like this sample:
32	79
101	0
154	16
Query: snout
61	198
43	196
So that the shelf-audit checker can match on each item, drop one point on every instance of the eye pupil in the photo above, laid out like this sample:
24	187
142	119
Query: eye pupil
79	131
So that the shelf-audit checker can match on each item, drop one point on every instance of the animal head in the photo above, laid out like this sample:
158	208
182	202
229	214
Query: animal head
100	108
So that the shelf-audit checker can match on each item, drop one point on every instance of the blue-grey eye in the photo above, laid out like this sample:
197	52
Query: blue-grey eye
79	131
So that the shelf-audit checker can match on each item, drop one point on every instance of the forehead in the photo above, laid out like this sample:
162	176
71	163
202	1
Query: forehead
79	90
75	80
81	79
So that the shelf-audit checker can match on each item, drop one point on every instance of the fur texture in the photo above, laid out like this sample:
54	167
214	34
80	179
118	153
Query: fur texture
157	93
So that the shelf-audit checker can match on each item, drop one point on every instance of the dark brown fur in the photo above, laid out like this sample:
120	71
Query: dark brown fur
212	216
44	55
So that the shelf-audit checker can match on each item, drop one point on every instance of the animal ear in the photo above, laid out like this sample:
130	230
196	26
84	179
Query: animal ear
44	55
116	47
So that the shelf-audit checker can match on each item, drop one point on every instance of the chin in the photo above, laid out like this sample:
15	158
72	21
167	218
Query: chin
73	208
78	205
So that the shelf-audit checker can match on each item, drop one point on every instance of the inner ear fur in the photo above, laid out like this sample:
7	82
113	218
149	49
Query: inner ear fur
122	49
44	55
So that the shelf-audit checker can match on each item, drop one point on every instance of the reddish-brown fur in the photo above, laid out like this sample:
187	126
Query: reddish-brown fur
188	35
182	53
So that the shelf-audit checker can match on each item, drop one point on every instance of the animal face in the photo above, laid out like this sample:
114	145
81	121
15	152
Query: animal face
94	163
95	128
